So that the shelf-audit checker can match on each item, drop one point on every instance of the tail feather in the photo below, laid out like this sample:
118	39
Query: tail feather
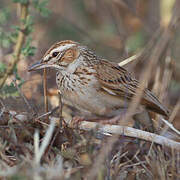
153	104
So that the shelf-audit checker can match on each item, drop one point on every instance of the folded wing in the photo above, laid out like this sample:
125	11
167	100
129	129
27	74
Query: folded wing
119	81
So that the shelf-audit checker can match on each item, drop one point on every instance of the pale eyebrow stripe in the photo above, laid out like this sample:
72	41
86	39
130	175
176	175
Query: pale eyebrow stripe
62	48
46	58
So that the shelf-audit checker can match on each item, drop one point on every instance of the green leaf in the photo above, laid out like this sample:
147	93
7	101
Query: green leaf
28	49
2	67
8	90
28	23
14	34
4	39
4	15
11	90
21	1
41	6
15	28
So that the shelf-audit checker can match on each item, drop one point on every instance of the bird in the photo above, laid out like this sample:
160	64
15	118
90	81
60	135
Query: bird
92	84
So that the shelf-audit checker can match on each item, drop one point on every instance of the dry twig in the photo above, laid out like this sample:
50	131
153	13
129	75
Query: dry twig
130	132
45	93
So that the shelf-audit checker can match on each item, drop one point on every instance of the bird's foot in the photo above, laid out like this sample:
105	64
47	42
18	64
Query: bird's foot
76	121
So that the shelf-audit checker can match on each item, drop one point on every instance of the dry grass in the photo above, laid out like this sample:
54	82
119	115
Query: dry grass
30	154
32	148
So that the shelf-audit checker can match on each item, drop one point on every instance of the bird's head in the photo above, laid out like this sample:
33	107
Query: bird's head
59	56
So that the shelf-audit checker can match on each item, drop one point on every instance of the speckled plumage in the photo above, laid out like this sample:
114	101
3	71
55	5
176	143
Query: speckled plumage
93	84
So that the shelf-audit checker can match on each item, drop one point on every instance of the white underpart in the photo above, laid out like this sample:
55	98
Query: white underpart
73	66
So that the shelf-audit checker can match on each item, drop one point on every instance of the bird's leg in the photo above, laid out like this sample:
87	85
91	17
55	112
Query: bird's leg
112	121
76	120
114	117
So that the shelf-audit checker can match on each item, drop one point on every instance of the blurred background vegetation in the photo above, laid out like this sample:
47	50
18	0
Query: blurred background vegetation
115	30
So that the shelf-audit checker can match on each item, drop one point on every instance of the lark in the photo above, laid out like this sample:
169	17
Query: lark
93	84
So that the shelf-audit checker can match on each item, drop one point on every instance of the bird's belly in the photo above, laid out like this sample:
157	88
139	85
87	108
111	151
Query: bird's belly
91	100
89	96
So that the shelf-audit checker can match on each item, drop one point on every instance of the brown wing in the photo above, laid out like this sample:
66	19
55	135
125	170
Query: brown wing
120	82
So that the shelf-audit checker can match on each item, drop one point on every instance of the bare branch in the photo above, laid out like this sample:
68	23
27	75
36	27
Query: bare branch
130	132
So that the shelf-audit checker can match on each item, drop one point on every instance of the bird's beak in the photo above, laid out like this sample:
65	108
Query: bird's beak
36	66
41	65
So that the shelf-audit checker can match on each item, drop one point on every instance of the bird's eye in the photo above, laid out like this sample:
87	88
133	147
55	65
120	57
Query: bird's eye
55	54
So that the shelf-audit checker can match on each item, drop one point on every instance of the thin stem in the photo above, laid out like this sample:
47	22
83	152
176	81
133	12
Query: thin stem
18	46
45	93
60	110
